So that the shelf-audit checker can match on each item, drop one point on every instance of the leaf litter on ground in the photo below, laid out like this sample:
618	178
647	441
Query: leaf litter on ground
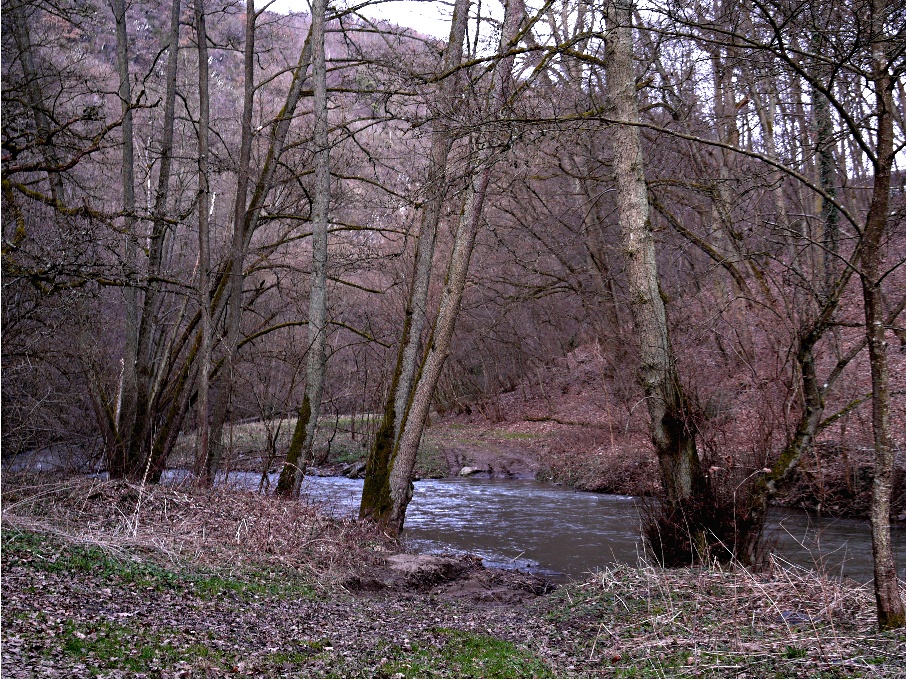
115	579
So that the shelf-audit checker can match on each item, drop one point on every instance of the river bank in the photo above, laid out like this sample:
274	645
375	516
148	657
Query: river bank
108	578
577	446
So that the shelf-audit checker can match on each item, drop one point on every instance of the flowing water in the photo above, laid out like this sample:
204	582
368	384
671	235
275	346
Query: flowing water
559	531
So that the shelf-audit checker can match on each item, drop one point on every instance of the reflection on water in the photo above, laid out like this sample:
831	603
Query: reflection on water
526	524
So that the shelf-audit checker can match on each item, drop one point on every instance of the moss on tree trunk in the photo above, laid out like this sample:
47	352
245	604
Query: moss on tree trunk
296	446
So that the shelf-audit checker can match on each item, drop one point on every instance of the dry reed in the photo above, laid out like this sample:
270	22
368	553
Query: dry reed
215	527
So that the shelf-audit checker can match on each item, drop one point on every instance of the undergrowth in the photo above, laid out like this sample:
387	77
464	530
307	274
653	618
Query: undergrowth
718	622
48	554
460	654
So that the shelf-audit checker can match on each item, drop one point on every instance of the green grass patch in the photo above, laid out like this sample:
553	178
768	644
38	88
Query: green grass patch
42	552
103	645
793	652
517	435
430	462
466	655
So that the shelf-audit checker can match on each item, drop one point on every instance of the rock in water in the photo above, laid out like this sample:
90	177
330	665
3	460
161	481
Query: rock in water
355	470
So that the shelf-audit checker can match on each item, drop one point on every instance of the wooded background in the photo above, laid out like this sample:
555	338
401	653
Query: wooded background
213	213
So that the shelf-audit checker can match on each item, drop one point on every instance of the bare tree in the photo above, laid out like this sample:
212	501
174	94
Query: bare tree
204	249
856	44
147	364
36	98
247	213
306	425
487	143
891	612
672	431
128	390
376	493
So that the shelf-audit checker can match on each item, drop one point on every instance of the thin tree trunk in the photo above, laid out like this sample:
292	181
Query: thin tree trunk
442	141
673	436
237	247
765	107
406	451
891	612
36	101
765	485
317	304
824	141
118	463
246	215
204	293
404	455
140	437
376	490
811	419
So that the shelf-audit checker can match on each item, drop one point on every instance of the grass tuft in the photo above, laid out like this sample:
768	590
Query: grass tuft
460	654
719	621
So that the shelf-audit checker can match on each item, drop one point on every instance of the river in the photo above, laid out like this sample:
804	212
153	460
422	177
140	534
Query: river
558	531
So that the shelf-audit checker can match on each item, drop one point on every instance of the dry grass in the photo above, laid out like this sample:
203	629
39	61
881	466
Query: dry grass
623	621
187	525
720	621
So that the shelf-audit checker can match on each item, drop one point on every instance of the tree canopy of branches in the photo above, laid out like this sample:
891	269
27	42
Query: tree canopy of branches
214	213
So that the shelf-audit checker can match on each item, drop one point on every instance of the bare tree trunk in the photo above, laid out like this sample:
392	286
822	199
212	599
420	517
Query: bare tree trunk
765	107
204	293
441	143
811	422
376	491
36	102
317	304
765	485
246	215
672	434
891	613
406	451
118	463
824	141
237	247
146	364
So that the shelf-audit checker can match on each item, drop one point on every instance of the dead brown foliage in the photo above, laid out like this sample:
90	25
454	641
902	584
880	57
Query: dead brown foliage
185	524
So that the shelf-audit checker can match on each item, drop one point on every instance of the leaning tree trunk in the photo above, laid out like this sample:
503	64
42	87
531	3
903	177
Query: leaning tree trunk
402	463
376	491
147	359
246	216
237	251
671	432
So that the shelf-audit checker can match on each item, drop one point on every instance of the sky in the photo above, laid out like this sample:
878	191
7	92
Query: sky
430	17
